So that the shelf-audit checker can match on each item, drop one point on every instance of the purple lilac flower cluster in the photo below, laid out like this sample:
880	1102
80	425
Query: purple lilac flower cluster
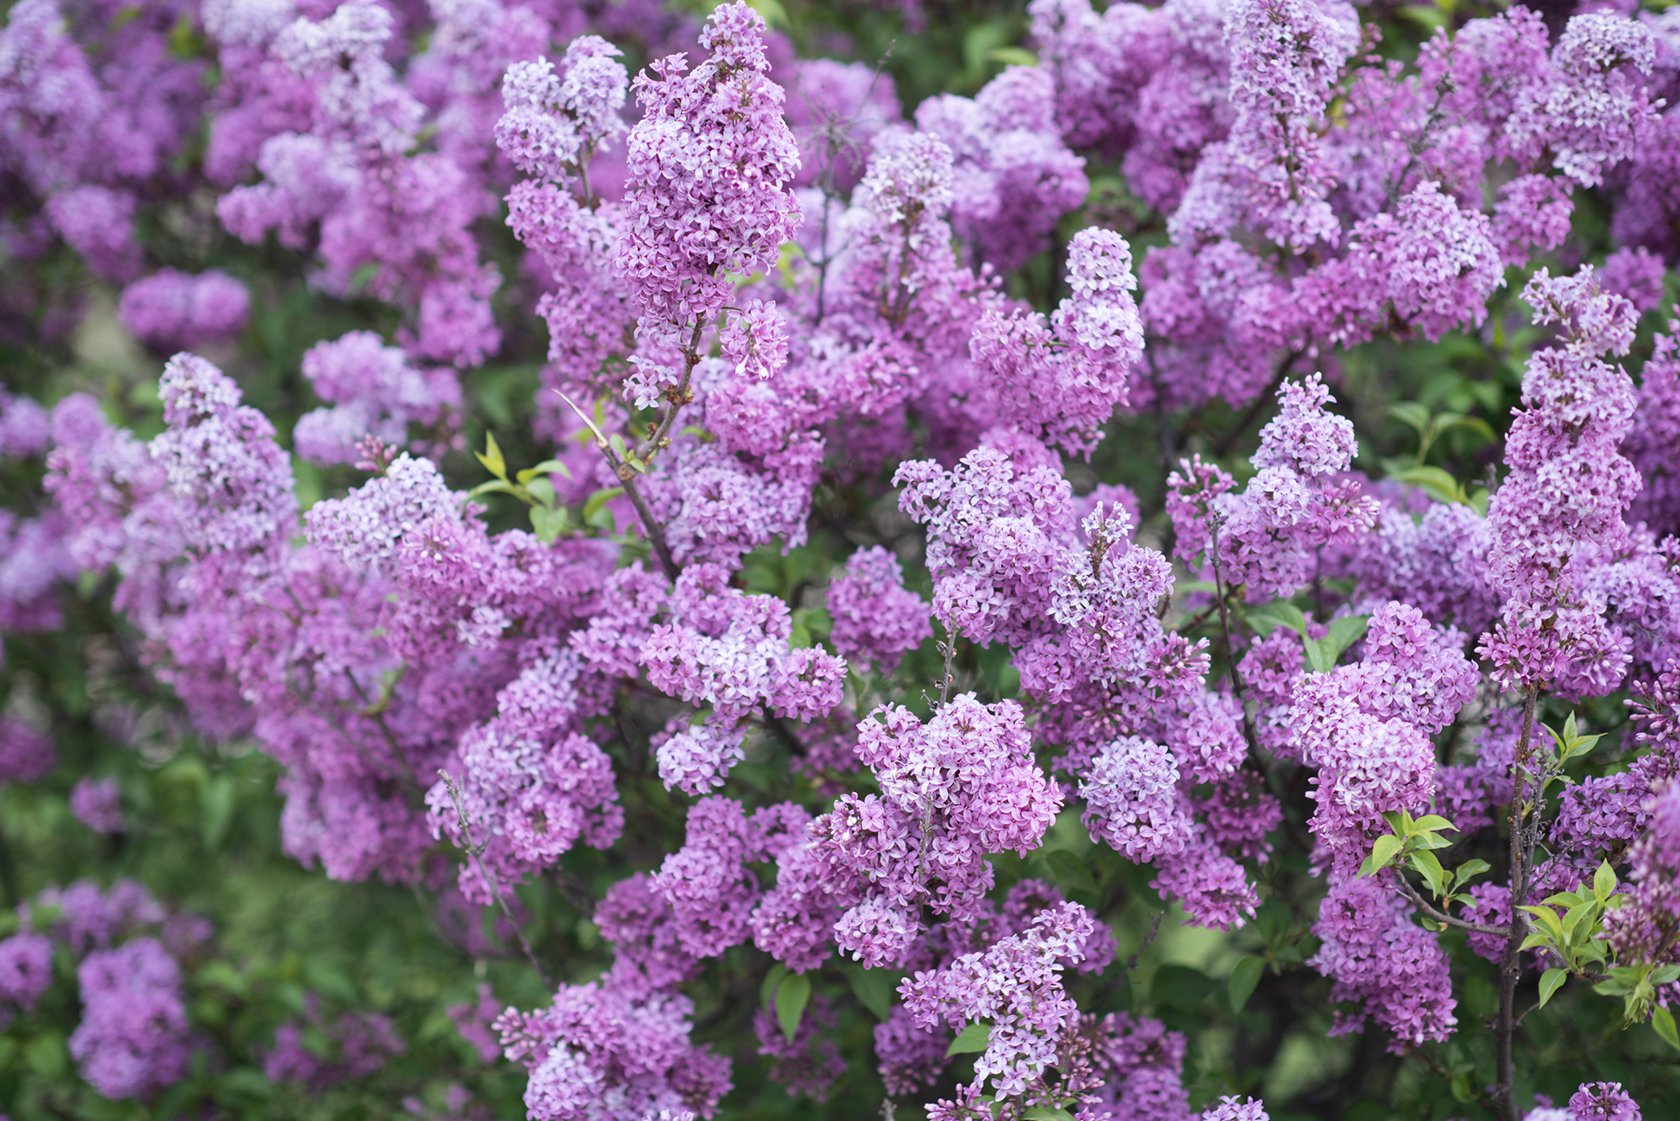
780	310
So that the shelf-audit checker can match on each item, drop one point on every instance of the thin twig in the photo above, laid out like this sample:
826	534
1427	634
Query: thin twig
626	475
675	397
1148	940
1510	970
473	850
1441	916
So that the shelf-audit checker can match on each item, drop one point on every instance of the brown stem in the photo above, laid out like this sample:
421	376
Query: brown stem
656	532
1441	916
675	398
1230	649
1510	970
473	850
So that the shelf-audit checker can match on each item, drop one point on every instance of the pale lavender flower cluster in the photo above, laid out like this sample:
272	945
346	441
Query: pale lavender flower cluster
596	1049
729	652
1561	507
372	390
1016	988
1266	537
175	310
954	789
876	619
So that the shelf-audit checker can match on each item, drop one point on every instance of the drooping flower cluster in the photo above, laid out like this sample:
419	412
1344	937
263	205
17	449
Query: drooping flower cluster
953	790
1266	537
1391	969
1367	729
1016	988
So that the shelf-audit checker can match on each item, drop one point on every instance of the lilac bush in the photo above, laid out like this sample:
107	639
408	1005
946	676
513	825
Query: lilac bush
1134	579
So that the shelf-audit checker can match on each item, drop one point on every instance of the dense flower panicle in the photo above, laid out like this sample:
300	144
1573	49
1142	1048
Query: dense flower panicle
1647	927
133	1038
1013	176
709	166
993	523
1266	537
1431	264
97	804
220	460
1565	497
25	973
1015	986
1286	56
730	651
1435	562
373	391
718	506
1063	378
952	790
554	122
1603	1101
595	1049
171	309
710	892
1393	970
1598	109
1656	426
524	799
877	620
1132	801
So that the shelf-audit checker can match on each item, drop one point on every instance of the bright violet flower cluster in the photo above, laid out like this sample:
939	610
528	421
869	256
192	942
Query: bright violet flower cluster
836	655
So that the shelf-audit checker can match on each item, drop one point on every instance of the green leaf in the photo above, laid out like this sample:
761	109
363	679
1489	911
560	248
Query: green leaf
971	1040
1013	56
1430	823
1067	870
494	486
542	490
1046	1113
1604	882
767	988
46	1057
1663	1021
1245	975
1470	869
1181	985
1411	413
1383	850
874	988
1269	617
1344	632
1429	867
1548	919
491	457
217	810
546	467
1550	982
1434	482
548	522
792	995
595	512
